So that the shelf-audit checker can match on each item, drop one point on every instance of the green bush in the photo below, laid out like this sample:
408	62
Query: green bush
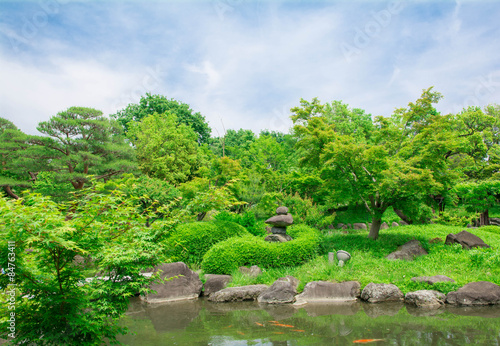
190	241
232	253
246	219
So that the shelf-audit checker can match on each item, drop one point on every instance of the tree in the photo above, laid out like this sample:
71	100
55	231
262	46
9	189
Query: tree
479	197
150	104
362	166
165	149
107	229
77	143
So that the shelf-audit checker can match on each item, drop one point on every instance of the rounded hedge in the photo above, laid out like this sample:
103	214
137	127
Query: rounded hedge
232	253
190	241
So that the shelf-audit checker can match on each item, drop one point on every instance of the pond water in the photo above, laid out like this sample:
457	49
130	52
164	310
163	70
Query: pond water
200	322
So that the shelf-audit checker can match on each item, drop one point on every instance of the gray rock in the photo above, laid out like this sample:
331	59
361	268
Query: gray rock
466	239
328	291
475	293
253	271
384	225
431	280
186	285
278	230
281	291
215	283
278	238
403	223
494	221
340	225
376	293
394	224
359	226
408	251
235	294
425	298
280	220
282	210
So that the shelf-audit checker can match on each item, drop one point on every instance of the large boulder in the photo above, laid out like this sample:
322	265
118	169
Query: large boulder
431	280
281	291
408	251
184	284
475	293
376	293
215	283
236	294
280	220
425	299
253	271
328	291
466	239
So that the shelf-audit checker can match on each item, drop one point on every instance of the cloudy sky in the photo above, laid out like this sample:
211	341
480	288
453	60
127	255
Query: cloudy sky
245	63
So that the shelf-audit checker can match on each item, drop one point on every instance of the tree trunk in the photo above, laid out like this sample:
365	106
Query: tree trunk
201	216
402	216
375	228
10	192
484	218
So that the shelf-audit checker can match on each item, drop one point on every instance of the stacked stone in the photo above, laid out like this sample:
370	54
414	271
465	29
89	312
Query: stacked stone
279	224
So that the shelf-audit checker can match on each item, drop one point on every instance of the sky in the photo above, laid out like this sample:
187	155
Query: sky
245	63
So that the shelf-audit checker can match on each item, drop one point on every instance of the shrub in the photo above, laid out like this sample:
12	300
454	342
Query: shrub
232	253
247	220
190	241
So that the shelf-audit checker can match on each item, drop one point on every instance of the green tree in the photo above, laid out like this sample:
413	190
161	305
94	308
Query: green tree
165	149
479	197
108	230
150	104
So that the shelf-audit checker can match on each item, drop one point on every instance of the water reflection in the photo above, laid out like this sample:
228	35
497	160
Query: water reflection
200	322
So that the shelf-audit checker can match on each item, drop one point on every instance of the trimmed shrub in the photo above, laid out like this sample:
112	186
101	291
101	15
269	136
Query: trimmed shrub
246	219
232	253
190	241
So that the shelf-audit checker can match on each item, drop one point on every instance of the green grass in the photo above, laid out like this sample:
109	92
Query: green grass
368	263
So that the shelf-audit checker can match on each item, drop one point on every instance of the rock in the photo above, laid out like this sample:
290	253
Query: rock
359	226
340	225
282	210
280	220
278	230
281	291
186	286
425	298
431	280
328	291
234	294
384	225
331	227
252	271
475	293
278	238
268	230
403	223
215	283
408	251
394	224
495	221
376	293
466	239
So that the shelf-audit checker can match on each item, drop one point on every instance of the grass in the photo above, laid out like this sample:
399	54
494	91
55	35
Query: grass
368	263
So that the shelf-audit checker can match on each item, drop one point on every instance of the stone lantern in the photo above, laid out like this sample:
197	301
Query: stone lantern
279	224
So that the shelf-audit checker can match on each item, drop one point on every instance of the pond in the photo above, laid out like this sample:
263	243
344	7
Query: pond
200	322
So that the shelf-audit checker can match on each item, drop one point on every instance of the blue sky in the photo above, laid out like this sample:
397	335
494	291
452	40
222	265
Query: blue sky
245	63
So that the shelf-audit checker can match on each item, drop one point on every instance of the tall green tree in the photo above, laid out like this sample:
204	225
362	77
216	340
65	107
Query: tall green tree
165	149
150	104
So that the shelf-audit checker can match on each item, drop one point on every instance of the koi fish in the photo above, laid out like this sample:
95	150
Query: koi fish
298	330
278	333
273	321
228	326
259	324
241	333
364	341
283	325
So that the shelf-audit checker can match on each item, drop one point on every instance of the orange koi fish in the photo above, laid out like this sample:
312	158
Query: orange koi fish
228	326
364	341
298	330
259	324
241	333
283	325
278	333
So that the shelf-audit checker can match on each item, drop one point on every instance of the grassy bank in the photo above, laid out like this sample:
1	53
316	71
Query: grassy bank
368	263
